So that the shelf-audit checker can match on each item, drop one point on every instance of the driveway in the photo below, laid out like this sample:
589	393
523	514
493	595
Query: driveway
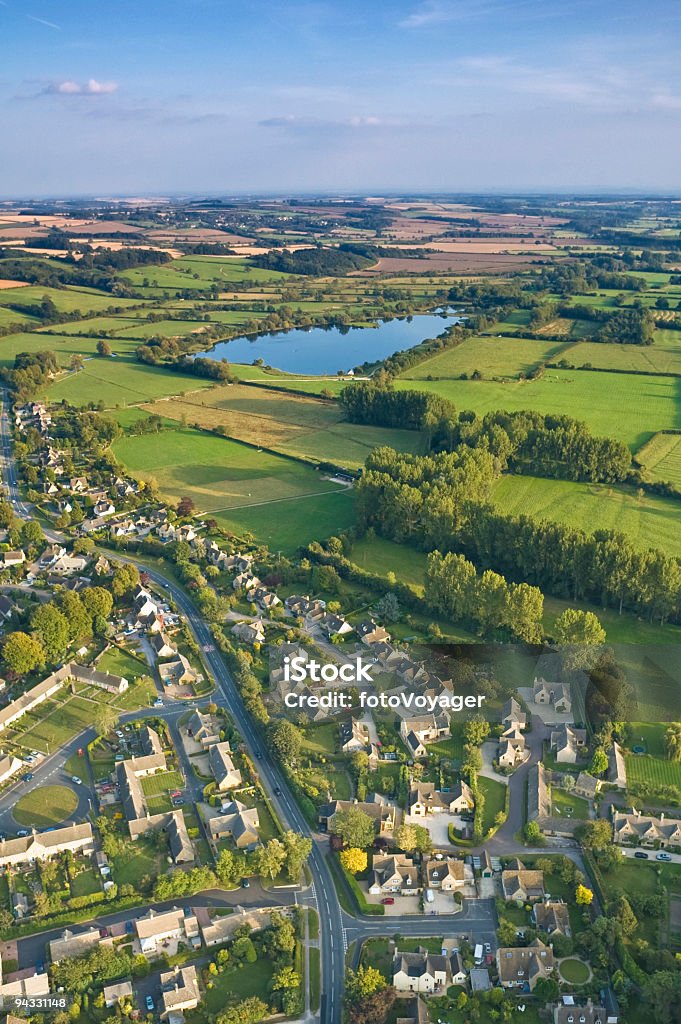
489	752
438	826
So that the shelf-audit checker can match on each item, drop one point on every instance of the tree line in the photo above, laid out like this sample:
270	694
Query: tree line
441	502
523	442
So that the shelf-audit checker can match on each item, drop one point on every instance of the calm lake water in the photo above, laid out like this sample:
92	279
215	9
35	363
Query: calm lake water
322	350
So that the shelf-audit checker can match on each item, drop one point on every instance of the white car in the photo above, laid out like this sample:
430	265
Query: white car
78	781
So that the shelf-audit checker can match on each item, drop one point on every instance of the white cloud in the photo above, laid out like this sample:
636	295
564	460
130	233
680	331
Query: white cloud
67	87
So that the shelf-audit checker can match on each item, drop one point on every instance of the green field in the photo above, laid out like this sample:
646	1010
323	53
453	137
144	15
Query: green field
96	324
599	399
664	356
121	382
492	357
384	556
45	806
649	521
293	424
627	631
67	300
287	525
217	472
662	457
9	317
64	346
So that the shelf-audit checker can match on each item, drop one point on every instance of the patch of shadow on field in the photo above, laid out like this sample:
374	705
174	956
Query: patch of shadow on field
675	915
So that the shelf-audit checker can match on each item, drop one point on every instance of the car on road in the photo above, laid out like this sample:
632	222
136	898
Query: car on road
245	884
27	776
158	703
149	1003
641	855
78	781
258	755
663	856
388	901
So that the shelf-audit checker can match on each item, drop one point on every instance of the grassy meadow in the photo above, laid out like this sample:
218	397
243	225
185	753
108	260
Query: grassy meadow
307	427
630	408
491	357
649	521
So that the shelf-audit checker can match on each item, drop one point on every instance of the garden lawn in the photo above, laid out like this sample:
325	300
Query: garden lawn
567	805
45	806
574	971
652	770
233	986
321	739
138	859
85	883
122	663
55	724
495	800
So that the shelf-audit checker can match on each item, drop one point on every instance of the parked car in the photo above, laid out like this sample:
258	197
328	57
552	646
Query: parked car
388	901
129	927
663	856
22	833
488	948
641	855
245	884
149	1003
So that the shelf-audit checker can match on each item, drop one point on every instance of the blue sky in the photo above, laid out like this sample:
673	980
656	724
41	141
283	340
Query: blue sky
235	96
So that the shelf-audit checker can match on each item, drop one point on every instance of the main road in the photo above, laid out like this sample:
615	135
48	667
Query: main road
273	780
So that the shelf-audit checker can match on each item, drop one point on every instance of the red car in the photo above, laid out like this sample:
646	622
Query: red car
388	900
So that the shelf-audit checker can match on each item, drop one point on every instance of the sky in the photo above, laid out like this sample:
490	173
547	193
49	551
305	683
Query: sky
361	96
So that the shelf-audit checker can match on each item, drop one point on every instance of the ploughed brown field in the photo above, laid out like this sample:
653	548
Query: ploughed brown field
4	283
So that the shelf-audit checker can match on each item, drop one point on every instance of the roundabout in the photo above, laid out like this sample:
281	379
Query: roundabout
45	806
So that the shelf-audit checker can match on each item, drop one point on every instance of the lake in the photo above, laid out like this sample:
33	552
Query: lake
325	350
